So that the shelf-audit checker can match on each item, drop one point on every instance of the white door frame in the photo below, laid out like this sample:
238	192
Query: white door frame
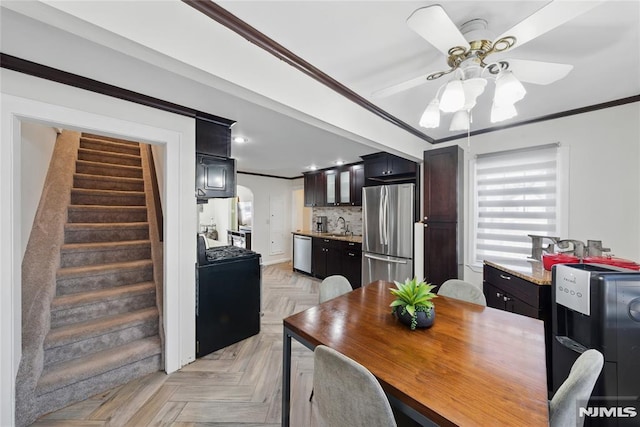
180	221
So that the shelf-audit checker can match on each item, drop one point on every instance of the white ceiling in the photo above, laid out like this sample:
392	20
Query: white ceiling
366	45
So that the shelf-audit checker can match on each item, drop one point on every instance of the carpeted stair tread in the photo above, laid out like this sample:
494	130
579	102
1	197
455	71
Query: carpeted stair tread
63	374
106	182
106	246
106	213
108	138
109	158
108	294
102	269
85	196
97	191
81	331
91	253
111	146
97	168
104	226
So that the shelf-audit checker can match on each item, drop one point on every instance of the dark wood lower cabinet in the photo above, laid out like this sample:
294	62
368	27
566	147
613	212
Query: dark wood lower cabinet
352	263
330	257
507	292
325	258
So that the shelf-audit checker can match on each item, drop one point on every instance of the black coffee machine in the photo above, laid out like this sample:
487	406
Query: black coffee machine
597	306
321	224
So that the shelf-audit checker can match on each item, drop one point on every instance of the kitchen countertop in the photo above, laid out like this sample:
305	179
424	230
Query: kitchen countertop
535	273
333	236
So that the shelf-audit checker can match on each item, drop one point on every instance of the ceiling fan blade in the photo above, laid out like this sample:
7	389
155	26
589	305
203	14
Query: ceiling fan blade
400	87
434	25
546	19
538	72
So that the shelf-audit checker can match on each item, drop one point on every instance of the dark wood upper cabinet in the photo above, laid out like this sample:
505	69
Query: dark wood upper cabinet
385	167
443	184
357	182
331	187
340	186
213	137
313	189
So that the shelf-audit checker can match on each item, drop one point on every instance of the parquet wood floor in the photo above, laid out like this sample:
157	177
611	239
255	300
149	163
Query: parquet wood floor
236	386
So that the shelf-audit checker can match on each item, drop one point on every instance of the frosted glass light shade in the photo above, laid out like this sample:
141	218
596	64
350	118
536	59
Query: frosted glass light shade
472	89
431	116
460	120
453	97
502	112
509	90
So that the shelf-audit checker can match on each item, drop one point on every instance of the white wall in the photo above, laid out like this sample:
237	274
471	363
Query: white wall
264	188
26	98
36	150
220	213
604	187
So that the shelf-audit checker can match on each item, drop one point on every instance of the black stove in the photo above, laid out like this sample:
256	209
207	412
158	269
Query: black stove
227	277
223	253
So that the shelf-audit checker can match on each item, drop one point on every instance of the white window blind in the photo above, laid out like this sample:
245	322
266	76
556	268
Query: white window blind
516	193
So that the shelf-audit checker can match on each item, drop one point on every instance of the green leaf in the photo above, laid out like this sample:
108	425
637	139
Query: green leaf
411	310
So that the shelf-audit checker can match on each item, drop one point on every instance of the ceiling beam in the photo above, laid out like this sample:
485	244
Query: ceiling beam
235	24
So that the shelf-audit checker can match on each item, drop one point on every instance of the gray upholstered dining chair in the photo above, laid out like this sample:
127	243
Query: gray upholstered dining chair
347	394
459	289
577	387
330	288
333	286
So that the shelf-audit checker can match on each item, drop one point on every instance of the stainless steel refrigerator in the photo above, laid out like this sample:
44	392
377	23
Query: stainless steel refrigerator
387	235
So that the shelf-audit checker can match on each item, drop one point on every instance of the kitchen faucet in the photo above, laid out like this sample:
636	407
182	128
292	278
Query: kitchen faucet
344	223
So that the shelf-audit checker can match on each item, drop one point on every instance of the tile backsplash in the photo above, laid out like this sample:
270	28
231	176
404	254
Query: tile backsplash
351	214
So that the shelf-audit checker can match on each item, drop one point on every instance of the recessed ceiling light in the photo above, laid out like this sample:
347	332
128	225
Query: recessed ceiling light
240	139
312	167
339	162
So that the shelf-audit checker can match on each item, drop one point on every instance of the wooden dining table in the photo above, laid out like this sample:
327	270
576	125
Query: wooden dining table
475	366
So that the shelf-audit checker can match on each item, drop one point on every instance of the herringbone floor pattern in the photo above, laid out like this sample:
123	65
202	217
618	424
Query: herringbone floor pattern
236	386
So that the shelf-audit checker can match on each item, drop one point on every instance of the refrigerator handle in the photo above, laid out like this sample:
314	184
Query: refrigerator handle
394	261
381	216
386	215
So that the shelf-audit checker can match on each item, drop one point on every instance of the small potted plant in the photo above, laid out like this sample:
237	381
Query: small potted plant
413	305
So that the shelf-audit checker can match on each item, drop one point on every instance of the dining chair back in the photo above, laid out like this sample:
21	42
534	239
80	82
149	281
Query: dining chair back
333	286
575	389
330	288
347	394
459	289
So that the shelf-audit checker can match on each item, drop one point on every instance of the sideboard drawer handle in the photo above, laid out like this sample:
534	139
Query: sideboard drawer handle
502	276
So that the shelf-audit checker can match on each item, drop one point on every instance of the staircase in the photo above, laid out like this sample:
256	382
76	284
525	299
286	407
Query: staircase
104	328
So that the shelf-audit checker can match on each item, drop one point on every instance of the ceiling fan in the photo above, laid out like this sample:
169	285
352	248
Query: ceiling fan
470	52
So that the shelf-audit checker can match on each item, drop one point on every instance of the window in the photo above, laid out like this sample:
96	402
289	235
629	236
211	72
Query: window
516	193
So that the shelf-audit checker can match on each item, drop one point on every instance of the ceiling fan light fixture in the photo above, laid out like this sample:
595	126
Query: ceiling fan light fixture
509	90
460	121
453	97
431	116
500	113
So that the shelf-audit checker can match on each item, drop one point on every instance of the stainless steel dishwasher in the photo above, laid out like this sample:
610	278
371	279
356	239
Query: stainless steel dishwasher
302	253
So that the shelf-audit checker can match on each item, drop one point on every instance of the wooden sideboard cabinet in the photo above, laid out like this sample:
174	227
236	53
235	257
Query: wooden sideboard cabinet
507	291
